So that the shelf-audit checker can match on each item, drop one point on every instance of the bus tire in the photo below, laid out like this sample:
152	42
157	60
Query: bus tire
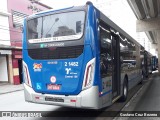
125	91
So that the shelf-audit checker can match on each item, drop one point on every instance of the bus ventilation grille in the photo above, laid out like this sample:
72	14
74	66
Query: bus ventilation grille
56	53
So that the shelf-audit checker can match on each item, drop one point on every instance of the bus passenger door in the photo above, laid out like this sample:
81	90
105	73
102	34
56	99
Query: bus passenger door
115	67
106	63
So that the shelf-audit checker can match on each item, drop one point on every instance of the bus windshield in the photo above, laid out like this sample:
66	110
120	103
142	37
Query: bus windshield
56	27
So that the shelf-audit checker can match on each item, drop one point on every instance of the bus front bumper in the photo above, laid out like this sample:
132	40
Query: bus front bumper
88	98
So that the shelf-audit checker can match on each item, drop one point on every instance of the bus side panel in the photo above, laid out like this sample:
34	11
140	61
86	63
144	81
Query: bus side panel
92	34
93	20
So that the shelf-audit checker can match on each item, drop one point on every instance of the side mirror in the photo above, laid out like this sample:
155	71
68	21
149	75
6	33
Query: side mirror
78	27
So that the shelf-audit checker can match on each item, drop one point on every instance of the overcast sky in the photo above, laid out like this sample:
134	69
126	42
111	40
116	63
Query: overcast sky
55	4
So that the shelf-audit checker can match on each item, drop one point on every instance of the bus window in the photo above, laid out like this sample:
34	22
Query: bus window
128	54
105	52
34	29
57	26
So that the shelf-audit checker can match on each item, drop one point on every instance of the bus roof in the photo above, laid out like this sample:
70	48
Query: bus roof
72	8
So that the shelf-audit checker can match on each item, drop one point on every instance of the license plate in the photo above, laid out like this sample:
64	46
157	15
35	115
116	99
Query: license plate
53	87
54	99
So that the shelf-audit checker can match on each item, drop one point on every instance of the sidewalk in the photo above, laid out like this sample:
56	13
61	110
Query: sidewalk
8	88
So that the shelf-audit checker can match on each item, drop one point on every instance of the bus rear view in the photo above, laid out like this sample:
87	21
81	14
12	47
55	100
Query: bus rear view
58	63
77	57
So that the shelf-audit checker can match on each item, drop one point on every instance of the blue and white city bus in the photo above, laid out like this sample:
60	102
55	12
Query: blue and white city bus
154	62
77	57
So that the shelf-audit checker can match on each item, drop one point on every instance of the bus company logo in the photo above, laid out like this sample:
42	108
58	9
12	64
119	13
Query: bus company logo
43	45
37	67
53	79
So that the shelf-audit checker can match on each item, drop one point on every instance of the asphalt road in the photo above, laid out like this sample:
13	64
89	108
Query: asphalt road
150	99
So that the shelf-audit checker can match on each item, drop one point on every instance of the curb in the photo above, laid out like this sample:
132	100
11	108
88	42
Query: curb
134	100
11	91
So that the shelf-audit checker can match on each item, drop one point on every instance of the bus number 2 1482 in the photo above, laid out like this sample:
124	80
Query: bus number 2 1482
71	64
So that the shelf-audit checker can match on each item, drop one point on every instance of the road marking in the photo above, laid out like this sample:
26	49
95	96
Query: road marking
132	99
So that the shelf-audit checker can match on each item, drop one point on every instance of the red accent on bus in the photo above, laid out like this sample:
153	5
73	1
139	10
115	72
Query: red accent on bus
73	100
87	75
27	74
37	97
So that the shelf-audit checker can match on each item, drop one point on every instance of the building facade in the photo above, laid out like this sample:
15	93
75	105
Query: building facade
5	52
18	10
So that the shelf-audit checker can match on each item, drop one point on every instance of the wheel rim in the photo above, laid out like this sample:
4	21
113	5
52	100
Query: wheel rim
125	90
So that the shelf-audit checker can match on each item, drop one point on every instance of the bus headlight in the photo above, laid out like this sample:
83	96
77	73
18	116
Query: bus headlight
89	74
26	75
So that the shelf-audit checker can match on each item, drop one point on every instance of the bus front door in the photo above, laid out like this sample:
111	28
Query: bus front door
115	67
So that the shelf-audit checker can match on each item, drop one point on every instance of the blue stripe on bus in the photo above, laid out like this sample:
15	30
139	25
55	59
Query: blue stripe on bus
105	93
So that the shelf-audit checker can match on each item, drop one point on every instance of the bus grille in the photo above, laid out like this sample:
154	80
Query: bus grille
56	53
